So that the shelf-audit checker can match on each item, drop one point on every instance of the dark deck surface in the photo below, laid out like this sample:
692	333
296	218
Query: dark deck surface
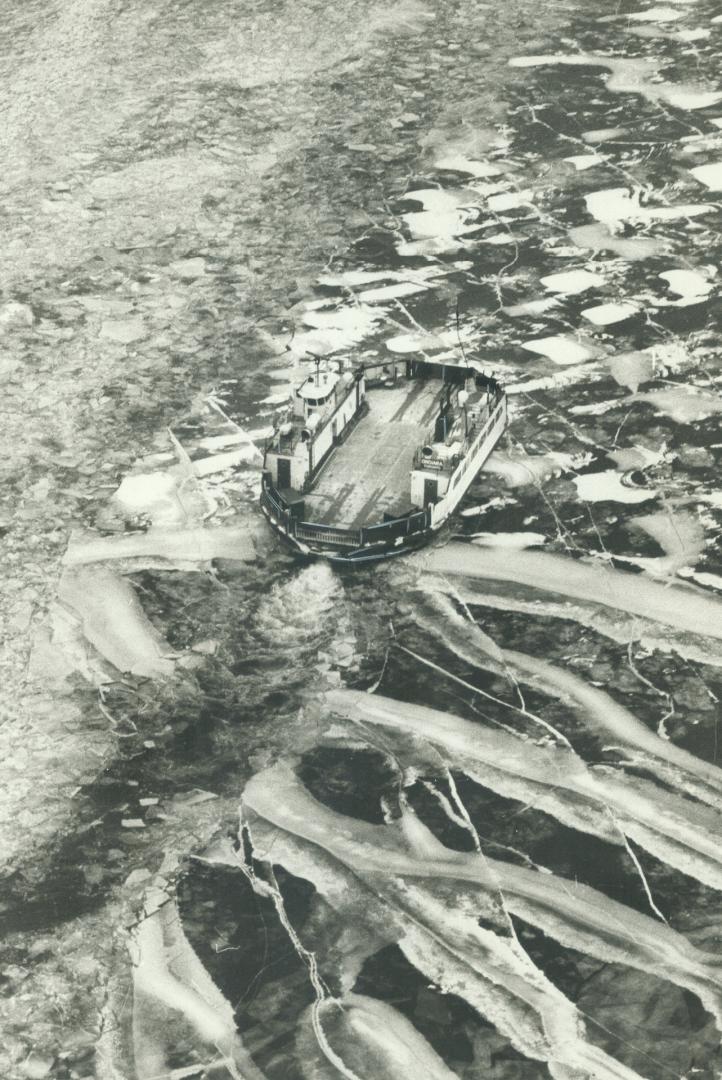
368	475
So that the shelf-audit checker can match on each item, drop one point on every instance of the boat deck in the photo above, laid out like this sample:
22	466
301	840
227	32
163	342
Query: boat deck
368	475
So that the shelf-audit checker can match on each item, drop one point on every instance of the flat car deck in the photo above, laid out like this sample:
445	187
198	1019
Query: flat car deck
368	475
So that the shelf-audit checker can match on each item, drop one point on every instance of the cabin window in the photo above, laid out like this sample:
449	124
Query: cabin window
431	491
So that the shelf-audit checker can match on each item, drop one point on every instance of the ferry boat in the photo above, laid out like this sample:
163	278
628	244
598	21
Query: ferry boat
370	461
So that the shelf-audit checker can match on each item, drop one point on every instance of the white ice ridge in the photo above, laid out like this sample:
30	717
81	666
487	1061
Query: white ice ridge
600	801
167	972
686	609
114	623
597	709
577	916
434	922
371	1039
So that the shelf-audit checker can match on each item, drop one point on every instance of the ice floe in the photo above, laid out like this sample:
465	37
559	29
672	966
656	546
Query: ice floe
438	200
691	286
607	314
114	623
581	162
599	237
630	369
531	307
331	329
416	341
431	246
563	376
392	292
632	458
600	135
614	206
710	581
561	350
571	282
679	533
509	200
154	495
655	14
609	486
683	404
461	164
687	282
709	175
520	470
509	540
192	548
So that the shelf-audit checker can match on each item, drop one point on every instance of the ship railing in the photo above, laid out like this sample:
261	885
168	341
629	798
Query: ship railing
274	503
391	530
326	534
318	533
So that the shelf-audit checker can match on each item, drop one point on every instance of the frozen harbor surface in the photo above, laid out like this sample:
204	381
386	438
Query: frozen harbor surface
458	816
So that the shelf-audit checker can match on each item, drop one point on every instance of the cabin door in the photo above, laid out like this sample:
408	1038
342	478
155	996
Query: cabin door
284	473
431	491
